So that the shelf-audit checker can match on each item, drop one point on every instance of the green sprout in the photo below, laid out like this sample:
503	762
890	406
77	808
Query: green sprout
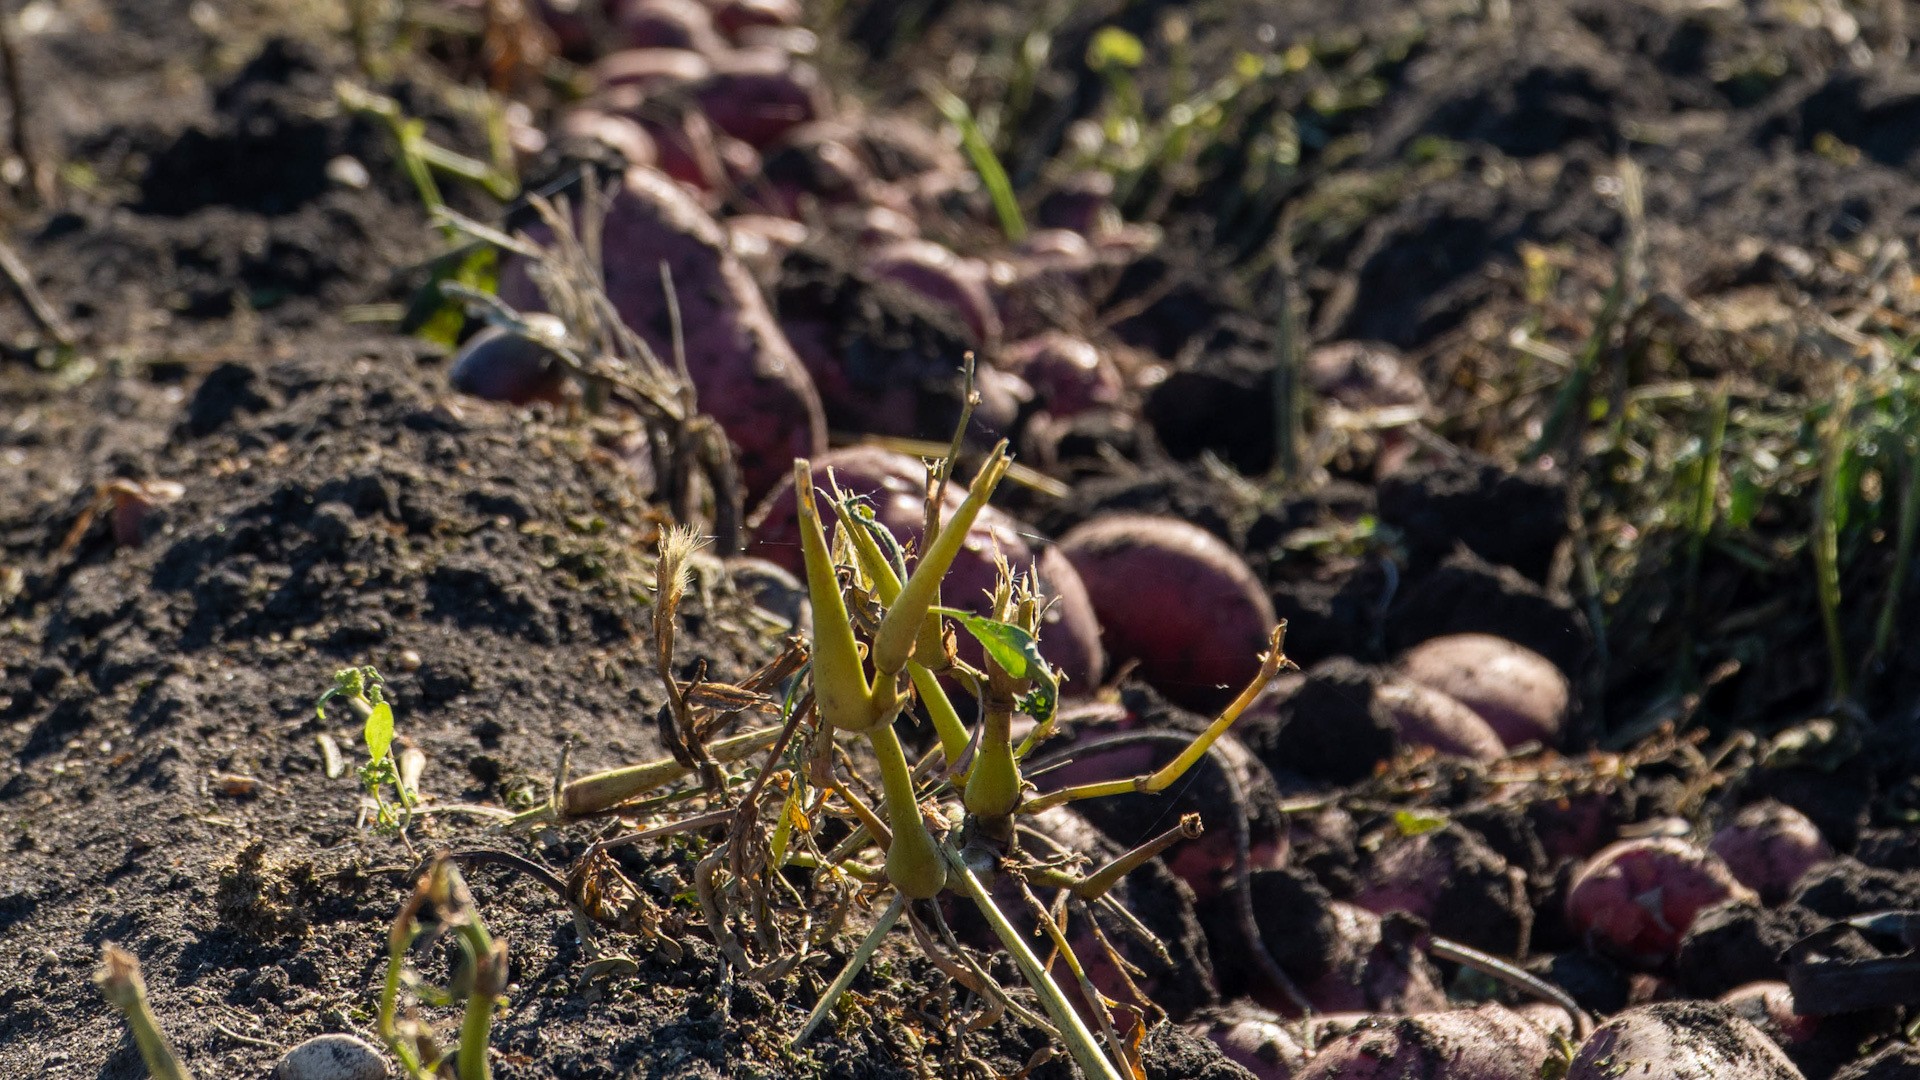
120	983
442	906
362	690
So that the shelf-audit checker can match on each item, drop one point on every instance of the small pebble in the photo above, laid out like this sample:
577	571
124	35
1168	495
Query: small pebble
332	1057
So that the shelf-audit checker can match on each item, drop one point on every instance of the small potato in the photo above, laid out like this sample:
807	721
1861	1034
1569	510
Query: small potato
1488	1043
1680	1040
947	279
1518	692
1256	1039
1426	717
736	16
651	70
669	24
760	241
629	139
499	365
759	95
1177	599
1082	203
1069	375
1769	846
744	371
1636	898
1769	1007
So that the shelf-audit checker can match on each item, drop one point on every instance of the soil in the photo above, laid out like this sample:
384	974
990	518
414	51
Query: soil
229	247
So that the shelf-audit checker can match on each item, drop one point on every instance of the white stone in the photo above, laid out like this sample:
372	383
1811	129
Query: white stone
332	1057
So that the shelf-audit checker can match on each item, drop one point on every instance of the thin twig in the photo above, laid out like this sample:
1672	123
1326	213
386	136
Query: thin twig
30	294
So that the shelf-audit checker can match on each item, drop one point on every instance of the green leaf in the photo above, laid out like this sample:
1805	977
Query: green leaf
1012	648
1413	824
380	731
1018	654
1114	46
433	315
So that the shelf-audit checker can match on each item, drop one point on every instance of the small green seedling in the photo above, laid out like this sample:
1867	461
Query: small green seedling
118	978
361	689
441	906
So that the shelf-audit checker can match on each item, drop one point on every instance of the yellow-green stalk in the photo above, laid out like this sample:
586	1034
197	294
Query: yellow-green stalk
893	643
841	693
915	864
931	645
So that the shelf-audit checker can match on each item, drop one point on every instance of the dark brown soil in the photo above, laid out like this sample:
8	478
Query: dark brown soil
227	239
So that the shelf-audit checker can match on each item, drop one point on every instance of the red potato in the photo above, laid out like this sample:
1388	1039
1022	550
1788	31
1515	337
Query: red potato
1636	898
1427	718
813	167
669	24
1769	846
1488	1043
1680	1040
1177	599
761	240
759	95
651	70
744	372
629	139
735	16
1450	879
1380	966
1082	203
1069	375
1769	1007
1256	1039
132	503
499	365
1371	380
1206	863
877	226
1518	692
945	278
894	482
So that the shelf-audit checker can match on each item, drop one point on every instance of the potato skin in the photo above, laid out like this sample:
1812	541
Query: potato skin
1429	718
1488	1043
1255	1039
1635	899
1769	846
1680	1040
498	365
744	371
1518	692
1177	599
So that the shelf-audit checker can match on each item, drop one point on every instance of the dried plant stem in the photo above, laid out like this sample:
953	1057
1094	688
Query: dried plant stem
1517	978
603	791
